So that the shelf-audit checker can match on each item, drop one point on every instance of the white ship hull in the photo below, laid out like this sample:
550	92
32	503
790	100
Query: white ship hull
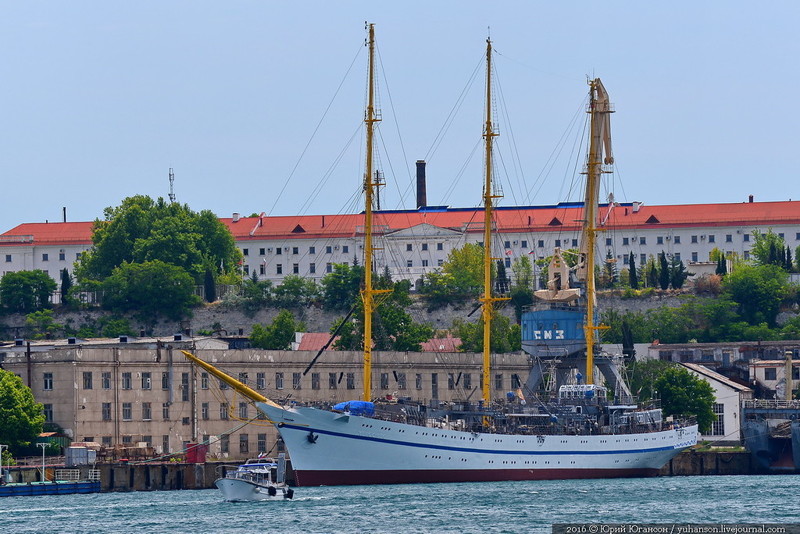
243	490
329	448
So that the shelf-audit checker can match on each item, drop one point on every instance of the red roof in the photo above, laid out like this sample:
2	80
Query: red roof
508	219
315	341
444	344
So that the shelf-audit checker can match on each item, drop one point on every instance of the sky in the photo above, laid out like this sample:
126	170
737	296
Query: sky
257	105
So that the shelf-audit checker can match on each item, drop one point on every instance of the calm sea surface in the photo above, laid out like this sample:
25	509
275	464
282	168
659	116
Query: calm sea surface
481	507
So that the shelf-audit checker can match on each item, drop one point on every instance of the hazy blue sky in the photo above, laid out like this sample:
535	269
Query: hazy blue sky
99	99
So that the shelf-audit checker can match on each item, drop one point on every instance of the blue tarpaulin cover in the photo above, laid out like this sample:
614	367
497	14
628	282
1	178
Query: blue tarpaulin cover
356	407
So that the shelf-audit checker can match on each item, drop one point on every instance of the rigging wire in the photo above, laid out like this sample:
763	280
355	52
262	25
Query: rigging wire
314	133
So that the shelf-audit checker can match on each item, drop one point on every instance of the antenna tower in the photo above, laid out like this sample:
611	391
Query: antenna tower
171	183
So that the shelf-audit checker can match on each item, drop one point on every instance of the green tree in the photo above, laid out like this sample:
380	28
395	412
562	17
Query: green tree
66	285
632	276
768	248
279	334
21	417
464	266
341	287
682	393
505	337
142	229
210	286
151	289
759	291
521	293
651	274
26	291
677	273
643	375
663	271
295	292
42	325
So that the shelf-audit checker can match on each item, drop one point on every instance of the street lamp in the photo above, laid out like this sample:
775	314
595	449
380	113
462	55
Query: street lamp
43	446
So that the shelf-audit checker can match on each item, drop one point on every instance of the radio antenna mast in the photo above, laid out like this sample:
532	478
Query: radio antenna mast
171	183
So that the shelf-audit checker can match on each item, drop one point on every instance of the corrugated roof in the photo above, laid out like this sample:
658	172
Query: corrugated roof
507	219
705	371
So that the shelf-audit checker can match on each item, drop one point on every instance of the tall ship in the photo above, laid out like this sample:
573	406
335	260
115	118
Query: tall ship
582	433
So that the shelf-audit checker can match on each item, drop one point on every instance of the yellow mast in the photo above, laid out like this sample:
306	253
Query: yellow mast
368	293
600	138
487	300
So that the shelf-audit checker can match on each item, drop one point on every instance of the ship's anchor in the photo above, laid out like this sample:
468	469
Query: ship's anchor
312	438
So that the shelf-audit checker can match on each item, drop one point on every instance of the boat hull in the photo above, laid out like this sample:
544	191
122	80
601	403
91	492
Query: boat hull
329	448
243	490
49	488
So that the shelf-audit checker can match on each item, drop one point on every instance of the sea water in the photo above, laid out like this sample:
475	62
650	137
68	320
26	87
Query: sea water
525	507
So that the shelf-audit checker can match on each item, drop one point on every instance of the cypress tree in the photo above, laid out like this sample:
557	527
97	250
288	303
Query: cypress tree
210	286
66	284
632	272
664	274
789	264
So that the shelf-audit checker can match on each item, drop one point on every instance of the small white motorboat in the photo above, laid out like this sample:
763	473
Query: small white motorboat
253	481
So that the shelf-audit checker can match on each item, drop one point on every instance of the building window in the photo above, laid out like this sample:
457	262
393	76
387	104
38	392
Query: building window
328	249
204	411
711	238
718	426
262	251
694	239
295	250
147	412
165	444
223	411
8	257
642	240
45	257
506	244
625	259
296	268
409	263
677	256
278	380
746	254
524	244
261	380
278	251
184	387
312	250
245	251
440	246
127	411
728	238
296	377
780	234
498	381
48	413
401	381
625	241
574	242
694	257
440	262
328	267
467	381
262	269
384	381
540	243
242	410
127	440
434	385
243	378
608	241
165	411
106	410
312	268
424	246
746	238
261	444
126	381
48	382
332	381
278	268
225	444
424	263
451	381
87	380
660	240
345	249
146	380
165	380
558	242
351	381
314	380
418	381
770	373
409	247
106	380
244	444
204	381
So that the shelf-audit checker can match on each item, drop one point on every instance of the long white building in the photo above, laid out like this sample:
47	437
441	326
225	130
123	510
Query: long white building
415	242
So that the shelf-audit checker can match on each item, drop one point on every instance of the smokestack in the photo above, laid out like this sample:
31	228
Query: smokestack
750	199
422	194
65	213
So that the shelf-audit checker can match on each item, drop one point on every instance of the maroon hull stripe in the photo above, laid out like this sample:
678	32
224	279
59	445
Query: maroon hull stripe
339	478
